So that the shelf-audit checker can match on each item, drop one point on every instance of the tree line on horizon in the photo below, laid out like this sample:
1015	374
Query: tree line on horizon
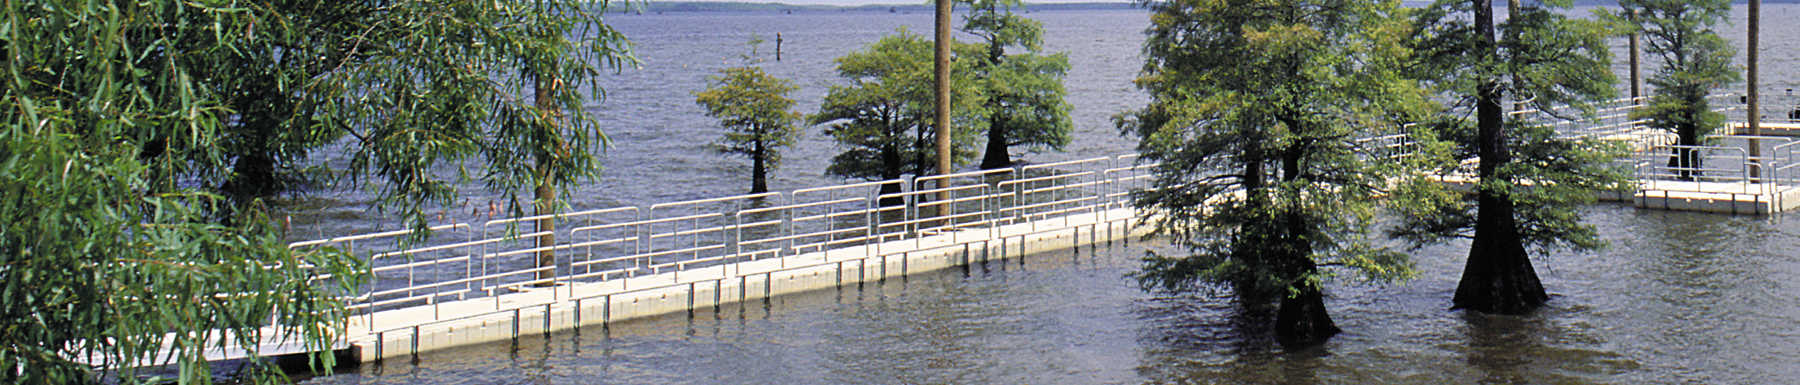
143	140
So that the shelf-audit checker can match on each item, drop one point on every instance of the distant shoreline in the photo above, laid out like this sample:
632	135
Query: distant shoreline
653	7
915	7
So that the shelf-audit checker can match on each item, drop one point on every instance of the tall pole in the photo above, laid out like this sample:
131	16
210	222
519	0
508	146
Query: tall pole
1755	110
943	99
544	194
1637	80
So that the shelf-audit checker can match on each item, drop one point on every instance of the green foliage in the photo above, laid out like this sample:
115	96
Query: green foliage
1255	112
1695	60
438	83
106	254
755	110
127	120
1550	180
1557	65
1548	61
1025	96
890	94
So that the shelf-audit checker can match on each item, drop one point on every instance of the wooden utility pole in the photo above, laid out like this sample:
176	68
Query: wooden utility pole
1637	81
544	197
1755	108
943	98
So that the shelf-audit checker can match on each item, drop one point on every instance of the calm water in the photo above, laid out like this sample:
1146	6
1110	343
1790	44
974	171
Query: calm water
1679	298
660	137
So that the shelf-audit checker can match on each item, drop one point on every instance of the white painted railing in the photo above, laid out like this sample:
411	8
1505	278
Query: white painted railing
464	261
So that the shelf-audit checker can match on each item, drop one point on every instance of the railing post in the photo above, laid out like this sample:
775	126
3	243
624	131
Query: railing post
735	246
787	222
1019	192
910	214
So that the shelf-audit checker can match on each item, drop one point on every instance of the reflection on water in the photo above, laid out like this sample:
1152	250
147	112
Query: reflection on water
1680	297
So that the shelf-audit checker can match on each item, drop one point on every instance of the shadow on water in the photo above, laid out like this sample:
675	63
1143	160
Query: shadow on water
1535	349
1211	337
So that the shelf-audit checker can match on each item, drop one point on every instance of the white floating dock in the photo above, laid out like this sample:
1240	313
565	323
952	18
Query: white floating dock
416	329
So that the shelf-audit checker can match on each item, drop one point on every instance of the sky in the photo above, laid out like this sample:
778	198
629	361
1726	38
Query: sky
884	2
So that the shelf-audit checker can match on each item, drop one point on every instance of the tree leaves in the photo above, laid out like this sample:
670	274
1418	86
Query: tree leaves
1255	115
123	241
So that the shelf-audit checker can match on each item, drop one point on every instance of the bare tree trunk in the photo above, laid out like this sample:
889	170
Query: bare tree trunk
1498	277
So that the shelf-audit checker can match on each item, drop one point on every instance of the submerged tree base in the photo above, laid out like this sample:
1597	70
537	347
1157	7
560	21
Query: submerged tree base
1499	278
1303	321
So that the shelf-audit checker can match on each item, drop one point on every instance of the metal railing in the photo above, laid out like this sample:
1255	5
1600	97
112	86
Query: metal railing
499	257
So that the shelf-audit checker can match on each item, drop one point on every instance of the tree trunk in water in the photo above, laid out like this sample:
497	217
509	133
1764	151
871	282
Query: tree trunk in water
1302	320
544	201
996	156
758	169
890	170
1250	248
1498	277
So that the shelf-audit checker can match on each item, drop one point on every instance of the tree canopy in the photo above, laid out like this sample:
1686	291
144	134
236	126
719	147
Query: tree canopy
1531	181
755	110
1025	103
890	93
132	127
1255	115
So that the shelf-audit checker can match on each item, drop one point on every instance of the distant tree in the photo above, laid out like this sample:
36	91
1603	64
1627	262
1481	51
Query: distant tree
135	130
754	108
1532	184
890	94
1254	116
1695	60
1024	104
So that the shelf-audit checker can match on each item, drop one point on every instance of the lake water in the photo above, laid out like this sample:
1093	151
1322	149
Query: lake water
1680	297
660	137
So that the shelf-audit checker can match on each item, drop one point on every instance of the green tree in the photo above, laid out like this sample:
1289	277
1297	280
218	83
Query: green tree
1255	111
1695	60
890	94
1024	105
129	123
1532	183
754	108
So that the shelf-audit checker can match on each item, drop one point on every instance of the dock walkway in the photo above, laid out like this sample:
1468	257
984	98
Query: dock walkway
478	282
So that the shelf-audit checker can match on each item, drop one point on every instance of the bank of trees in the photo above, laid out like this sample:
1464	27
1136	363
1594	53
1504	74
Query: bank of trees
140	136
884	119
1255	111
